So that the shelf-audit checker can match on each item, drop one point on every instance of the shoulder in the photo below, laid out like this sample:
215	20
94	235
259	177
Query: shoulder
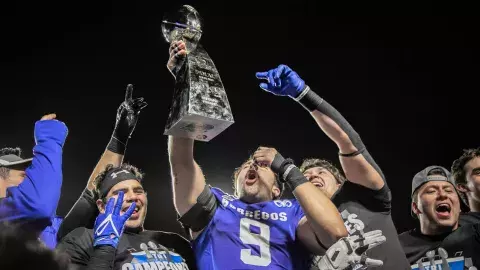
352	191
220	193
222	196
175	237
171	240
469	218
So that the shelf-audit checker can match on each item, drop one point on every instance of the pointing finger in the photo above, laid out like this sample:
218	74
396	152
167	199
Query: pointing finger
129	92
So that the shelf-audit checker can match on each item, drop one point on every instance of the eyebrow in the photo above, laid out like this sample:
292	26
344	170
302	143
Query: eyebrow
121	189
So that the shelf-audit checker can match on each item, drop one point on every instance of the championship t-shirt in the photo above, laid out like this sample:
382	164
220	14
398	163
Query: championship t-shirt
364	210
461	248
251	236
143	250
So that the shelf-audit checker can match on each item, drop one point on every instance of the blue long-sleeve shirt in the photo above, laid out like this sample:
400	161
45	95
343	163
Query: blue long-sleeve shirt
34	202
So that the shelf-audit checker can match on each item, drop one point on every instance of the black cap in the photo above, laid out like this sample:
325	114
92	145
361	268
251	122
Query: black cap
422	177
11	160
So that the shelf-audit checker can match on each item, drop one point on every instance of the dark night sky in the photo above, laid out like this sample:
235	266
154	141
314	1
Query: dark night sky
406	84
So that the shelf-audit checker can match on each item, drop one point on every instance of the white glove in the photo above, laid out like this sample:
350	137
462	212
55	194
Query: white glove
350	251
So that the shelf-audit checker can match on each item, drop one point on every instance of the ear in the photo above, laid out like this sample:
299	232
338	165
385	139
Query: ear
462	188
275	191
415	208
100	206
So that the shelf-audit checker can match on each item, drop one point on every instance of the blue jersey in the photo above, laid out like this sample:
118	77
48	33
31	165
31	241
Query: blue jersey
33	202
251	236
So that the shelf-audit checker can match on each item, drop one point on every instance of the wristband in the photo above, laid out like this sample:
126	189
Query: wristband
309	99
116	146
356	153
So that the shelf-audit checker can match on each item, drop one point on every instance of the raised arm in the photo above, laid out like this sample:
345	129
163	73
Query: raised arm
84	211
322	221
358	165
187	177
35	200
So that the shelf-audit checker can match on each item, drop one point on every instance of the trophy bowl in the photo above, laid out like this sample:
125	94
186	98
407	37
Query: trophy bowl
183	24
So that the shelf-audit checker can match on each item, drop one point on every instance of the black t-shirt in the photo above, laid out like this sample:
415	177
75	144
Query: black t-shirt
462	246
144	250
469	218
364	210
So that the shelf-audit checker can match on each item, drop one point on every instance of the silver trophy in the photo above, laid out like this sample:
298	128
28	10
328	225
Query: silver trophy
200	108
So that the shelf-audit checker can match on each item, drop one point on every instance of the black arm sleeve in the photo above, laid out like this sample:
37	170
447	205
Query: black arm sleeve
201	213
102	258
311	101
82	214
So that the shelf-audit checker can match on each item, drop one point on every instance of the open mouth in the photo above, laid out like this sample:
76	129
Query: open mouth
316	181
443	210
251	177
135	212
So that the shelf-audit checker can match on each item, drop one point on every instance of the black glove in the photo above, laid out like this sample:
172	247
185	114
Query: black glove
127	117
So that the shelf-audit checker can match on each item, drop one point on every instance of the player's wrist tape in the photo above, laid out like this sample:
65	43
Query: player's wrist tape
309	99
287	171
106	241
116	146
356	153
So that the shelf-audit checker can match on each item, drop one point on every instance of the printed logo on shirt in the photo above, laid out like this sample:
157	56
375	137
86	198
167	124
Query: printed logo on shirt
155	257
283	203
257	214
352	223
439	260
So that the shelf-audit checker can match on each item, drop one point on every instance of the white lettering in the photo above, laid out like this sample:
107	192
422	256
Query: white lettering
274	216
264	215
249	214
241	211
283	216
160	265
149	266
353	224
257	214
128	266
174	266
137	266
232	206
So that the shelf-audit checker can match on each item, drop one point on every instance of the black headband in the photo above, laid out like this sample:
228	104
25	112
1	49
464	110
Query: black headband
114	177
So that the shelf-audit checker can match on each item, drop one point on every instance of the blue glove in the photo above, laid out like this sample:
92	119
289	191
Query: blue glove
109	225
282	81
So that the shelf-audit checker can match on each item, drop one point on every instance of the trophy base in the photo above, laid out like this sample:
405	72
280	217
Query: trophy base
197	127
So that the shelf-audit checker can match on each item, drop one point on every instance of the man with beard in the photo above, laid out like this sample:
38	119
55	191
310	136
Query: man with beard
254	229
436	204
363	198
466	174
107	246
30	188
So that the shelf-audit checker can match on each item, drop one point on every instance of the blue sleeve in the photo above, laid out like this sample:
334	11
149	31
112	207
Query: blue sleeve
36	198
49	234
298	213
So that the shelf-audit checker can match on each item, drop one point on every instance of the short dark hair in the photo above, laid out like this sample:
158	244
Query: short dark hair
458	170
277	183
327	165
21	247
102	175
4	171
